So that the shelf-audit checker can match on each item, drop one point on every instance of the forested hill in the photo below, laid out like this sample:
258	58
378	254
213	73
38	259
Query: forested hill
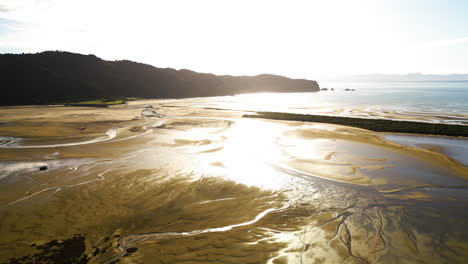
59	77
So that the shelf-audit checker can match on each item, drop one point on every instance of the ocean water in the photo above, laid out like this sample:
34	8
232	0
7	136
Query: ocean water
446	97
431	101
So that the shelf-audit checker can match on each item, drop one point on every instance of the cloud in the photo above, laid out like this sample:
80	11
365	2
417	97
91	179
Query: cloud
8	8
24	10
4	9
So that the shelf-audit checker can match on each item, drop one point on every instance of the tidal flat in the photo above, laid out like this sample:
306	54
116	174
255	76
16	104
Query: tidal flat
178	181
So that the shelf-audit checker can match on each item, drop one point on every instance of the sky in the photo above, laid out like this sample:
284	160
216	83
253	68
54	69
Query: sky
299	39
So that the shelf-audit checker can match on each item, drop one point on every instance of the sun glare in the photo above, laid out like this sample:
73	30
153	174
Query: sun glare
248	154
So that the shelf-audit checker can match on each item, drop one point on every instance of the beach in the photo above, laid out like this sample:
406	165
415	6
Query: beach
194	180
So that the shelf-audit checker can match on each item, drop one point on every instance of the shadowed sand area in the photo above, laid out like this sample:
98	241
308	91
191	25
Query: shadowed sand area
179	181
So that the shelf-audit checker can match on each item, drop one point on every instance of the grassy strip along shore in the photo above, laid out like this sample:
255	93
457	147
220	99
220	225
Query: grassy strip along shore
377	125
103	102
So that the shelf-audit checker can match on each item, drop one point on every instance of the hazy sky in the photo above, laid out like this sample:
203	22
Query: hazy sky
295	38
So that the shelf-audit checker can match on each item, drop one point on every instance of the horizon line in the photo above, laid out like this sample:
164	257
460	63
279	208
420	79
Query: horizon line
320	76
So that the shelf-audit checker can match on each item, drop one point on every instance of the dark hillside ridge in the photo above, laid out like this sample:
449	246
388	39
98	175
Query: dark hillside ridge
59	77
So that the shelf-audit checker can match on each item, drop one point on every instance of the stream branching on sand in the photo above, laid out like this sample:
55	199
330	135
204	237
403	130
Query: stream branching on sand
169	181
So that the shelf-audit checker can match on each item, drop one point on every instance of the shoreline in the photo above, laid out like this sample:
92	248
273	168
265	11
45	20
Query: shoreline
376	125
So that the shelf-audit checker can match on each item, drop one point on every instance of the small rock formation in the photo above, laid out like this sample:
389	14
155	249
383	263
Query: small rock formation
136	129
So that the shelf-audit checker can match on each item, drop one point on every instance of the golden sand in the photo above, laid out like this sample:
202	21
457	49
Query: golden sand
204	185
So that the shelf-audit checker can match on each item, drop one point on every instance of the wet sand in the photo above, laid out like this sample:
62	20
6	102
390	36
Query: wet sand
177	181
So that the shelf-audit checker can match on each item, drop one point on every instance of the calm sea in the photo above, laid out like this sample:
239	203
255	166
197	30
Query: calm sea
444	101
435	96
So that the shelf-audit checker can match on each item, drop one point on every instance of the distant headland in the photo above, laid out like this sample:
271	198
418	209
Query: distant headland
56	77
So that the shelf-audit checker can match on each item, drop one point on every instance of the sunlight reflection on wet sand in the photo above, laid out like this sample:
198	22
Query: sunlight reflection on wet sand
205	185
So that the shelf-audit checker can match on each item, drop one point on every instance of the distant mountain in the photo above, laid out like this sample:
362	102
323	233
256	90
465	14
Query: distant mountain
58	77
400	77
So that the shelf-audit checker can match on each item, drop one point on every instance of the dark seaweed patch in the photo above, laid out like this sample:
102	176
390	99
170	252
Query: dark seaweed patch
130	251
70	251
